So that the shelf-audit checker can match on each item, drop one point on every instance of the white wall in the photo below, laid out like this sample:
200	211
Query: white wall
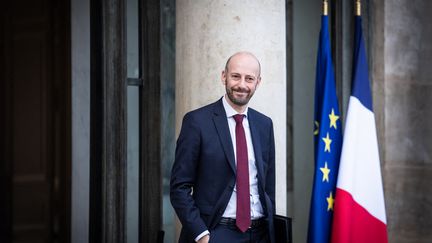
306	27
80	70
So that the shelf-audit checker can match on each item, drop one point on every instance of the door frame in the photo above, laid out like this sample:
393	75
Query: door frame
151	120
108	121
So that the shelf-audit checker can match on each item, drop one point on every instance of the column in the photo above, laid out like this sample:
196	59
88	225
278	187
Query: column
406	89
207	33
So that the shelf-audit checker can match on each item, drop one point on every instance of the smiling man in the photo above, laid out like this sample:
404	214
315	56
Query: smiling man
223	177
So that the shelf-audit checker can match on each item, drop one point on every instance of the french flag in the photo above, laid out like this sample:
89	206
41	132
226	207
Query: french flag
359	210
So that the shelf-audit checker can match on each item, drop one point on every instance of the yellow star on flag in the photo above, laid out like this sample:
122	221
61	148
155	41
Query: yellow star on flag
316	131
326	171
333	119
330	202
327	142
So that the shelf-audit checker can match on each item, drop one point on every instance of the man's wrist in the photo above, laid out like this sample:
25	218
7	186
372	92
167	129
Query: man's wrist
202	235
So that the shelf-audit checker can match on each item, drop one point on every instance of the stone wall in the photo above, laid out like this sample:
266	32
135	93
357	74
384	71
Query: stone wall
407	140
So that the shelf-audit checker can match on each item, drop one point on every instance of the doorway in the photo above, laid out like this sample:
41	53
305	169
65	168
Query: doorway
35	127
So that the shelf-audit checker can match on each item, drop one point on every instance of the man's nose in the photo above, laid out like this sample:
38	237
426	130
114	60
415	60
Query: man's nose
242	82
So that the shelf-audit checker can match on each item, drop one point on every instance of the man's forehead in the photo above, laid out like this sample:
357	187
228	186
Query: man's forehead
243	58
234	71
244	61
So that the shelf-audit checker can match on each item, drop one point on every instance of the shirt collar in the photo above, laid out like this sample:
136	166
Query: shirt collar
229	110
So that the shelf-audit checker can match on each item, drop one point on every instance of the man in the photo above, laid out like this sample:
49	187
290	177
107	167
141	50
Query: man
223	177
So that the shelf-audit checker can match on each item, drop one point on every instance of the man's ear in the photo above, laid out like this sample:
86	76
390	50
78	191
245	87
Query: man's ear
223	77
258	82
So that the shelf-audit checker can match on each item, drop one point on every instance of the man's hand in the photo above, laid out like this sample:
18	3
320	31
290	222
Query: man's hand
204	239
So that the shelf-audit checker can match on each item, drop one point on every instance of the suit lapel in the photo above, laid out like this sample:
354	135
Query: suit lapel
221	124
257	147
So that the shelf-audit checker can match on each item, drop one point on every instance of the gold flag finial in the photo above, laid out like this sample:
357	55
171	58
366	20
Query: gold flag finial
325	7
358	8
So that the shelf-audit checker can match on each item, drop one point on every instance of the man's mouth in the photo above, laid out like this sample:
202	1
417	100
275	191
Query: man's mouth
242	92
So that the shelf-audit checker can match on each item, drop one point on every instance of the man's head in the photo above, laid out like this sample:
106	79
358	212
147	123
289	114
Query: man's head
241	77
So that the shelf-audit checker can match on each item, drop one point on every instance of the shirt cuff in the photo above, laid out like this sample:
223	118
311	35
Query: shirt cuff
202	235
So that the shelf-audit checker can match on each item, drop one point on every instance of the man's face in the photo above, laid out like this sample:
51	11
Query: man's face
241	78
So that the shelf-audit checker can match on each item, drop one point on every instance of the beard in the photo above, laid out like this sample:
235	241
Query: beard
240	101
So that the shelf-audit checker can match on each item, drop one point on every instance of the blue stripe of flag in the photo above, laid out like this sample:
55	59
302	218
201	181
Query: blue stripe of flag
360	84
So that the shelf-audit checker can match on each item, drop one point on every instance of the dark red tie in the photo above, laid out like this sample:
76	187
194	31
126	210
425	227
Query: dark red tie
243	219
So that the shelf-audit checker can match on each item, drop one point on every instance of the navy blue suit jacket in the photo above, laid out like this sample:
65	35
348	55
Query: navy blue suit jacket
203	174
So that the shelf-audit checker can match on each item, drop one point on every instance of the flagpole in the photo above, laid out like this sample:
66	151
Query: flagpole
358	8
325	7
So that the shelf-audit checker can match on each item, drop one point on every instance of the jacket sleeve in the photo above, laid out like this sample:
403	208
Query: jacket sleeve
183	177
271	174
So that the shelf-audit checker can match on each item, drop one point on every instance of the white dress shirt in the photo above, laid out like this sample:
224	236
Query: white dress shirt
256	207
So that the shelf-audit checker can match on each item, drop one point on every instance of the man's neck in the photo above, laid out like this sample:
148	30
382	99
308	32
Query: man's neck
239	109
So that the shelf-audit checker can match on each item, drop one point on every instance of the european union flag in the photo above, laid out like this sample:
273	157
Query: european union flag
328	141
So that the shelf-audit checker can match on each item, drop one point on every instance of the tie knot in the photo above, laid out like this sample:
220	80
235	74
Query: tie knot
238	118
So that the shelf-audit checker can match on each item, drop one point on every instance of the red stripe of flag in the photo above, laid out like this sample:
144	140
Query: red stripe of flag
354	223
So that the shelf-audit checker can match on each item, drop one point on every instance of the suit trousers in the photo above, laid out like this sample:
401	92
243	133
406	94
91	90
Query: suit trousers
231	234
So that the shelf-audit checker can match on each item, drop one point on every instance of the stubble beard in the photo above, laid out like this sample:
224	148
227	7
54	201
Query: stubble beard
239	101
